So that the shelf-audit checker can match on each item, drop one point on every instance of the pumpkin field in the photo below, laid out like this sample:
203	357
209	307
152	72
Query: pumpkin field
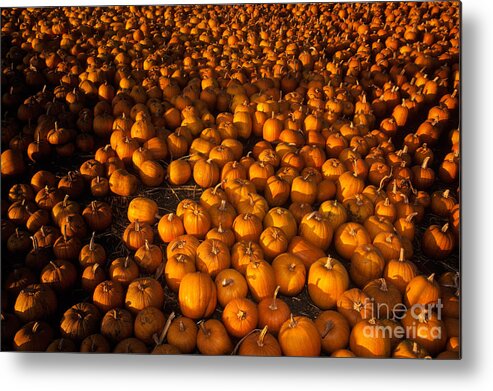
249	179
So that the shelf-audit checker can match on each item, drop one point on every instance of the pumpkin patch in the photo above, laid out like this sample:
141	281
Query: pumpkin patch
257	179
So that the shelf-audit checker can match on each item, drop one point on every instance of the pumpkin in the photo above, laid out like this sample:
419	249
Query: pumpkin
62	345
182	333
253	204
422	290
367	264
386	297
343	353
206	173
355	305
283	219
277	190
108	295
304	250
316	229
212	196
197	221
299	336
66	248
240	317
92	253
178	172
334	212
151	173
35	302
425	328
117	324
333	329
80	321
63	209
247	227
244	252
142	209
213	339
148	323
368	339
184	244
144	292
95	343
212	256
97	215
230	284
273	242
348	185
273	312
59	274
409	349
290	274
12	163
136	234
148	257
92	276
438	242
261	279
222	214
327	281
349	236
123	183
130	345
260	343
170	227
197	295
34	336
400	272
177	266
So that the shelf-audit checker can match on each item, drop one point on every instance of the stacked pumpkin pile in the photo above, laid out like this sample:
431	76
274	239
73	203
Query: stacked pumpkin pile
329	177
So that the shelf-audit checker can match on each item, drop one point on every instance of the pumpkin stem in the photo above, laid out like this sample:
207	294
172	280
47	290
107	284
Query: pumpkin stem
292	321
401	255
424	165
260	340
446	193
165	329
383	285
203	329
444	228
410	217
431	277
170	217
328	327
241	315
328	264
146	244
227	281
273	305
91	242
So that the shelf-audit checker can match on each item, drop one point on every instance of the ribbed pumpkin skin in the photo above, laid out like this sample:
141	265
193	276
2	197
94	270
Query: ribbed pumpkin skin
299	337
327	281
197	295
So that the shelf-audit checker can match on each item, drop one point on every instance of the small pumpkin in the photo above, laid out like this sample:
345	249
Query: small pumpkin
260	343
290	274
240	317
213	339
299	336
368	340
230	284
197	295
333	329
327	281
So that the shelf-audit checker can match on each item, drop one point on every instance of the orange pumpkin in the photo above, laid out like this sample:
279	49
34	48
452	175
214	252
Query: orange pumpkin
327	281
197	295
